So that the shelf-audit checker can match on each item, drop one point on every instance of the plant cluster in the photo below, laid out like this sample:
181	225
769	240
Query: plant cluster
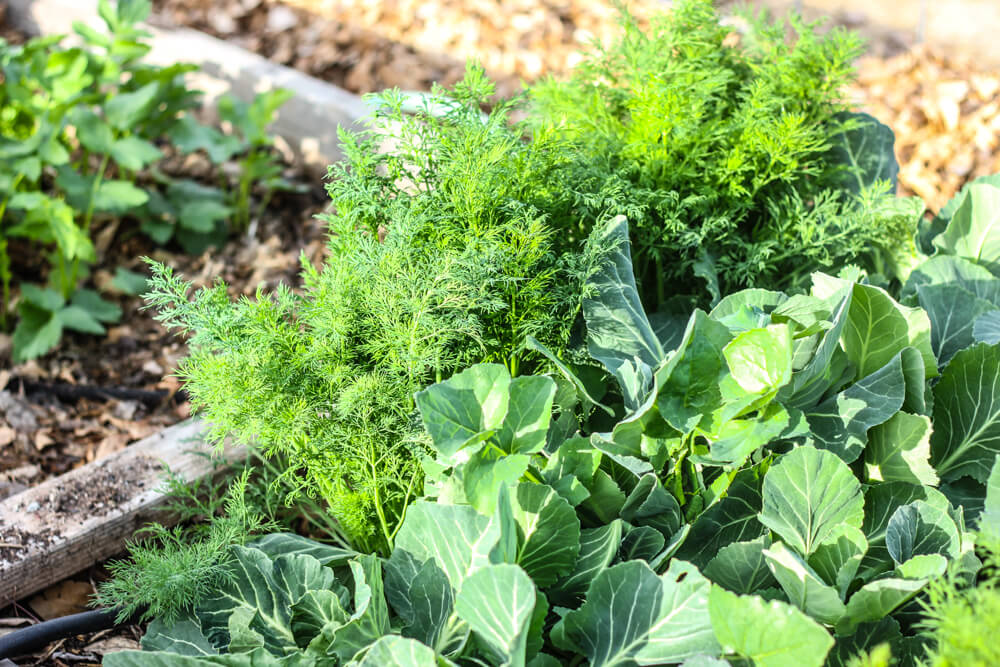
732	153
774	481
82	130
440	256
526	467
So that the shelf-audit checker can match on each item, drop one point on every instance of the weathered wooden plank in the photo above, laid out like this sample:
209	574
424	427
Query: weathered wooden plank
68	523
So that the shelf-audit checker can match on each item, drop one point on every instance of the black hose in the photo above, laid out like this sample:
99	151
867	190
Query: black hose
26	640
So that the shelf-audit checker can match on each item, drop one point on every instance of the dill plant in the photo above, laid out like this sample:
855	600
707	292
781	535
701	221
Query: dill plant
717	145
451	242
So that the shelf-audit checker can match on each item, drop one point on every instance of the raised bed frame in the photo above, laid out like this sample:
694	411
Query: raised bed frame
68	523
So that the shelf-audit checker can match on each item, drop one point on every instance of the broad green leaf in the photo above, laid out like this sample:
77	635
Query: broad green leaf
78	319
583	391
689	385
548	533
948	210
370	620
732	519
256	658
669	328
37	332
99	308
119	197
315	611
840	424
876	600
134	153
264	590
865	637
536	628
189	135
202	215
460	410
528	414
286	544
760	360
753	299
183	637
486	471
458	538
771	634
837	559
926	566
953	311
881	501
878	328
126	110
900	450
684	628
803	586
866	150
920	528
809	384
966	419
649	504
986	328
431	601
989	521
130	282
598	547
396	651
807	494
631	616
606	498
954	271
705	661
741	567
737	439
497	602
641	543
43	297
974	230
618	332
95	134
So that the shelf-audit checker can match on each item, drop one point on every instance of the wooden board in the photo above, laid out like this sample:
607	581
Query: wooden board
70	522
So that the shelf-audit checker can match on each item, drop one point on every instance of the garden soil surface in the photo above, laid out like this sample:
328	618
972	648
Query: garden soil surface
68	408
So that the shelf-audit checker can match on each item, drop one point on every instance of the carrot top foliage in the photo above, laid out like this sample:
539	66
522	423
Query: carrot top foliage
725	150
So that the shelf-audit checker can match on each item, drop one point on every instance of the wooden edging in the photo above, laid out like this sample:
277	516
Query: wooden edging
68	523
307	122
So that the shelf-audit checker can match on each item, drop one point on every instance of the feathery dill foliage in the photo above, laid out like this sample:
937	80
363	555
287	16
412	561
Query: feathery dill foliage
962	621
715	145
447	248
172	568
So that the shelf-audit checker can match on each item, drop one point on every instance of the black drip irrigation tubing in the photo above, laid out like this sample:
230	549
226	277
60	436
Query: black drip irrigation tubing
24	641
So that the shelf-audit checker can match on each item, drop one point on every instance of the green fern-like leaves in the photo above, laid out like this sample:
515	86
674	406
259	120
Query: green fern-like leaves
716	145
449	246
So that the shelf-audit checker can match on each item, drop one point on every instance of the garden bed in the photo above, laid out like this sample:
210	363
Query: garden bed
53	433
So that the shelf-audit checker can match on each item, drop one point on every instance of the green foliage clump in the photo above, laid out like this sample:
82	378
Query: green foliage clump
82	132
721	148
440	256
